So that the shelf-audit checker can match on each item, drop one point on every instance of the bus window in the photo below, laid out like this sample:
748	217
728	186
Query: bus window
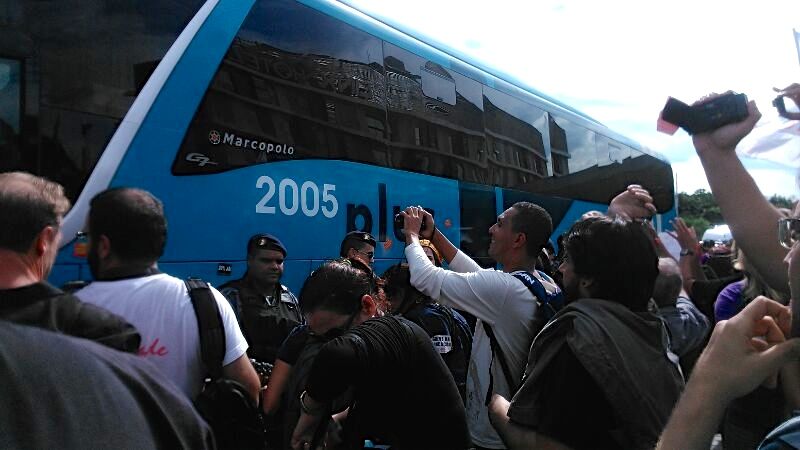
578	143
559	151
596	173
10	108
436	125
79	70
514	138
557	207
438	84
657	176
610	151
478	213
295	84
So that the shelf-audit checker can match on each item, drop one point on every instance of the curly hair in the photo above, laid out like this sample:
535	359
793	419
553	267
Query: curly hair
619	256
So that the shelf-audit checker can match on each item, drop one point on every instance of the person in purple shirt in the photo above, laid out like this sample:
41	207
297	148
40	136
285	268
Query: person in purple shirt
735	296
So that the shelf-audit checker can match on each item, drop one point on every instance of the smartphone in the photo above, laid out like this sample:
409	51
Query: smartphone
780	104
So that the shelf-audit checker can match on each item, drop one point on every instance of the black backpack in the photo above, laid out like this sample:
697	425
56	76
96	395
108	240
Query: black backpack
224	403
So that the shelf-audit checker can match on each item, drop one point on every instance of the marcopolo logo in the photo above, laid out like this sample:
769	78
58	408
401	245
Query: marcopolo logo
216	138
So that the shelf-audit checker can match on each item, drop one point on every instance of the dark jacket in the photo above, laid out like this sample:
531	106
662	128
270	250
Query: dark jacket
45	306
626	354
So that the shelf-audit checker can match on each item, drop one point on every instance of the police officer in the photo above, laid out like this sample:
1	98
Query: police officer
358	246
267	311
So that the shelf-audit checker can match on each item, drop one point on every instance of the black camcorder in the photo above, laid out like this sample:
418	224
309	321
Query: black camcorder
707	116
780	104
399	222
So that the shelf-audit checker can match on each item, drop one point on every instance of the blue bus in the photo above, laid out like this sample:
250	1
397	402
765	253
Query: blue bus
301	118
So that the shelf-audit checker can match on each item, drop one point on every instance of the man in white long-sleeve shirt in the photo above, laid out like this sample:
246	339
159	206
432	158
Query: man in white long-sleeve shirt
495	297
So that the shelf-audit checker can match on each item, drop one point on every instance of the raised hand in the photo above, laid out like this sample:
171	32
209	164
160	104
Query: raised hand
726	138
634	202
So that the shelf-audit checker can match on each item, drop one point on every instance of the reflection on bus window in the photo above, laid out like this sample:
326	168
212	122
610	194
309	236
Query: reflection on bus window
610	151
578	144
435	117
79	70
10	95
513	135
559	151
10	105
477	206
438	84
295	84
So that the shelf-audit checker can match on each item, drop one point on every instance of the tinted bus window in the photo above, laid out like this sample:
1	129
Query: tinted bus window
294	84
615	166
660	180
478	213
557	207
514	138
81	68
10	106
610	151
435	117
577	142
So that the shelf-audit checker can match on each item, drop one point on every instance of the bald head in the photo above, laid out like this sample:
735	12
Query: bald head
668	282
28	204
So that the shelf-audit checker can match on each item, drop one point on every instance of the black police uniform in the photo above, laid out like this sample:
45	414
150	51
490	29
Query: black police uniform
265	321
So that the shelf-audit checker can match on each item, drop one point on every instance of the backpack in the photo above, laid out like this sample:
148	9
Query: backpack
785	436
224	403
547	305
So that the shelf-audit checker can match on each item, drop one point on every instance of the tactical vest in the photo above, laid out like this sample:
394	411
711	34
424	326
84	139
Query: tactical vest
265	321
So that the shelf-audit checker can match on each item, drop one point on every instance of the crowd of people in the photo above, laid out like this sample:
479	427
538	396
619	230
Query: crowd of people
601	341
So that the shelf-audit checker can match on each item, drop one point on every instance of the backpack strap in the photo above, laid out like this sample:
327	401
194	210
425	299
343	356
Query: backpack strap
548	303
543	301
533	284
209	321
497	351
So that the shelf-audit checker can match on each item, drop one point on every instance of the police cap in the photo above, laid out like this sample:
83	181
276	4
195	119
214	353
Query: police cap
266	241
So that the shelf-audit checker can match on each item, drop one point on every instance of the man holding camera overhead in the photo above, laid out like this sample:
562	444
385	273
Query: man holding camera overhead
502	304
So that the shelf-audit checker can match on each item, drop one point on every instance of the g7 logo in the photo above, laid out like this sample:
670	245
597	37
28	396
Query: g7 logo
200	159
292	198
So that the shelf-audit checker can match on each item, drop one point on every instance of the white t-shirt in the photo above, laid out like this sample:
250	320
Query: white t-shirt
498	299
159	307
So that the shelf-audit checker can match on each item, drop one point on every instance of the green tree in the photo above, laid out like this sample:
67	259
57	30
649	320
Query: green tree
782	202
701	211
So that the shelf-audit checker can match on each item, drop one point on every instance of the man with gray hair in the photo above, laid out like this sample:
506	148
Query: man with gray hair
687	326
31	210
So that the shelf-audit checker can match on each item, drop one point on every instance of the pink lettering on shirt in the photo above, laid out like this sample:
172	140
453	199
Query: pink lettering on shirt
155	349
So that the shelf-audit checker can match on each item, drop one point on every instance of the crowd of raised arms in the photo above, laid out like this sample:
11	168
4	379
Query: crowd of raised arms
605	343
